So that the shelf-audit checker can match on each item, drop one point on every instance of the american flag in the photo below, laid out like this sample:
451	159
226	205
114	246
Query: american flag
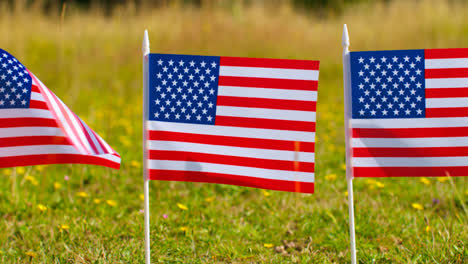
36	127
409	113
240	121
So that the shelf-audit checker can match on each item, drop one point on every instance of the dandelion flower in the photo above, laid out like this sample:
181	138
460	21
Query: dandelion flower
7	172
428	228
417	206
379	184
57	185
442	179
265	193
330	177
32	180
82	194
42	207
63	227
343	166
142	197
209	199
20	170
111	203
268	245
97	201
346	193
425	180
183	228
135	164
182	207
31	254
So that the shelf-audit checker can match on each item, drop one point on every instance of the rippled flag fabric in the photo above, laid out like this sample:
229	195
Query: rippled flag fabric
409	113
240	121
36	127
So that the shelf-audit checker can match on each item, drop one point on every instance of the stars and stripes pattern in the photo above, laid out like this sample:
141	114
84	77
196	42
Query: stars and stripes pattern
36	127
410	117
240	121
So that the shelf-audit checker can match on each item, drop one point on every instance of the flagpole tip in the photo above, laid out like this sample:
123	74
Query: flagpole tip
146	43
345	36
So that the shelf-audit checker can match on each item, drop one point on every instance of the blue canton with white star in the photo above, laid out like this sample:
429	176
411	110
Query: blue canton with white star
183	88
388	84
15	82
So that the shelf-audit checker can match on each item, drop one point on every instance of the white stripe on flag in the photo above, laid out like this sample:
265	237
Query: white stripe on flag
410	162
258	72
231	151
37	150
409	142
410	122
447	83
231	169
232	131
37	97
446	63
30	132
293	115
446	102
25	112
283	94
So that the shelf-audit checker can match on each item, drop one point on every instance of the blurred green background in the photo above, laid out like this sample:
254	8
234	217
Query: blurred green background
89	54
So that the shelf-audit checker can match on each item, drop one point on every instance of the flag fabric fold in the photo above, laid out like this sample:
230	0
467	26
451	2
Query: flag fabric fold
409	113
36	127
240	121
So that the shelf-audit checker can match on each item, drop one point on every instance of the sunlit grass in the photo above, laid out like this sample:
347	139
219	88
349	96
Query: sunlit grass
86	214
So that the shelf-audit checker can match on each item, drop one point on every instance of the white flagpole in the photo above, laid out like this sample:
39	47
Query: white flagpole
146	51
347	111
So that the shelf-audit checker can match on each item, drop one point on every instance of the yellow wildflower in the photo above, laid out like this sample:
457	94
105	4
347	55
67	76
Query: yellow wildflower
343	166
31	254
7	172
97	201
425	180
63	227
371	181
183	228
428	228
82	194
41	207
466	192
265	193
268	245
330	177
442	179
20	170
57	185
417	206
209	199
40	168
379	184
182	207
135	164
125	141
111	203
142	197
32	180
346	193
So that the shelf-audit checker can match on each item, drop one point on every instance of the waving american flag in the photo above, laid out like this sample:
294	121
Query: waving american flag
36	127
409	113
241	121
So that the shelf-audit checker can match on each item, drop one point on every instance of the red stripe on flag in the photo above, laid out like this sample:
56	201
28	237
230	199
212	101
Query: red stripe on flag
230	160
445	53
33	140
447	112
265	123
266	103
447	92
192	176
410	132
87	135
38	105
35	88
409	171
268	83
230	141
410	152
270	63
27	122
29	160
446	73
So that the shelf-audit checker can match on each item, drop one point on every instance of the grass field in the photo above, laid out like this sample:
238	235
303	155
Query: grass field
87	214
